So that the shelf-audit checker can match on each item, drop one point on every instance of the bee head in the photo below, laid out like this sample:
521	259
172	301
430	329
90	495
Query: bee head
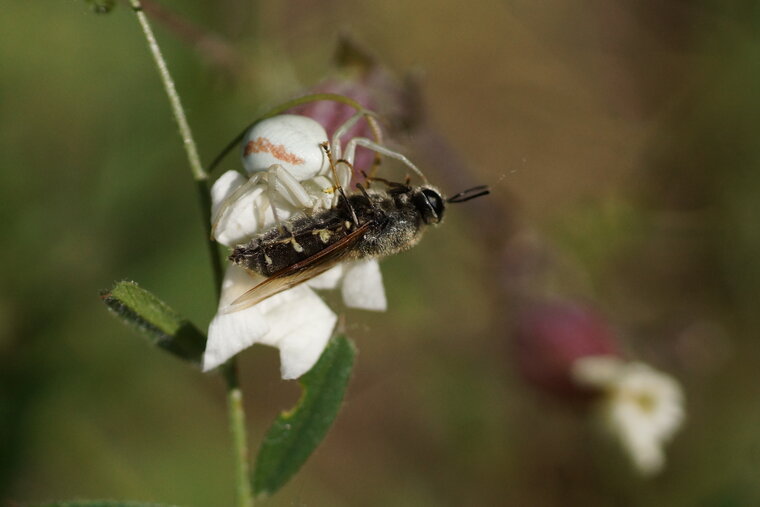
429	202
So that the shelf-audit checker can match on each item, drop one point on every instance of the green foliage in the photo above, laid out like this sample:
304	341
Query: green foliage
155	320
102	503
296	433
101	6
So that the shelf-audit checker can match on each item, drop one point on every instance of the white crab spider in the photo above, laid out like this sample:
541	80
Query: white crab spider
288	169
296	321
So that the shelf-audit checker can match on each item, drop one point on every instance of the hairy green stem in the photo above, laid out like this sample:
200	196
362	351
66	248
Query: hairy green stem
179	113
234	393
239	439
204	197
199	175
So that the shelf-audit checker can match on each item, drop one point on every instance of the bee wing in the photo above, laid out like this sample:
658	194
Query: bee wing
299	272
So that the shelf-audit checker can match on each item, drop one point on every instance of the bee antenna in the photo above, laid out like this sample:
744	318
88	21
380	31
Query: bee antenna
470	193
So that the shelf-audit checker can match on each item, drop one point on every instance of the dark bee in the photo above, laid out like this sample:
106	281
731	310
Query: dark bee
362	225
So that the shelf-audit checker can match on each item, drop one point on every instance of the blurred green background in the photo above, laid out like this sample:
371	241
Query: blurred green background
624	134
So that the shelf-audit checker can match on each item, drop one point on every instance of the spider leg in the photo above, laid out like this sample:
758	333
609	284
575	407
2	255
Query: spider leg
341	131
344	170
371	145
284	184
221	211
278	185
326	147
272	194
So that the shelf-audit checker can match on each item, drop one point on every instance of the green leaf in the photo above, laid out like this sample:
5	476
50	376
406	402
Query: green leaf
296	433
155	320
101	6
101	503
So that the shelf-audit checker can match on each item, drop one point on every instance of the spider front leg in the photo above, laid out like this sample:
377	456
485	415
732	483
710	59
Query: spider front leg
283	184
222	211
274	185
371	120
280	183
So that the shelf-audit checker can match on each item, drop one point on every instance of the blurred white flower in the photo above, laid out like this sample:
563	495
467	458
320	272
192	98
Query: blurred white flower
296	321
642	408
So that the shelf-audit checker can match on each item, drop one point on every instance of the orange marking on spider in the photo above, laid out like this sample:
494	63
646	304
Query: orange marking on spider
278	151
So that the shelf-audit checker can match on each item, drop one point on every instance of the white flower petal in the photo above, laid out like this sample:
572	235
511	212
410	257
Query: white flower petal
249	214
223	188
598	372
642	408
237	281
363	286
296	320
638	436
301	327
229	333
327	280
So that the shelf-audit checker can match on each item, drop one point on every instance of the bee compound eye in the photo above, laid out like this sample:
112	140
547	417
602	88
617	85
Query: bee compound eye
287	140
431	206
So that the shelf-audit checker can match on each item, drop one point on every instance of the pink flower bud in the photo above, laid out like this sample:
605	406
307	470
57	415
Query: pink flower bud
551	337
331	115
361	78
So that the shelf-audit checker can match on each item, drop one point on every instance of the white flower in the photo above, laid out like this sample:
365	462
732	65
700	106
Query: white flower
641	407
296	321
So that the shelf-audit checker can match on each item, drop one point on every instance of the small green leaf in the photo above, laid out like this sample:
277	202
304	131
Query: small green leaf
101	503
296	433
155	320
101	6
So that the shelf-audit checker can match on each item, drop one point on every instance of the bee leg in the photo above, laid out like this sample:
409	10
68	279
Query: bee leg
336	180
344	172
368	179
365	194
344	177
387	183
371	145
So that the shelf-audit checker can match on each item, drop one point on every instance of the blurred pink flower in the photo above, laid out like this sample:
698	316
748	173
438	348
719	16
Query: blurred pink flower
361	78
332	115
568	350
551	336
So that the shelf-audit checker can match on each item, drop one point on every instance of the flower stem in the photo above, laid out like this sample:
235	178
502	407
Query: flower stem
234	393
179	113
239	439
204	197
199	175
